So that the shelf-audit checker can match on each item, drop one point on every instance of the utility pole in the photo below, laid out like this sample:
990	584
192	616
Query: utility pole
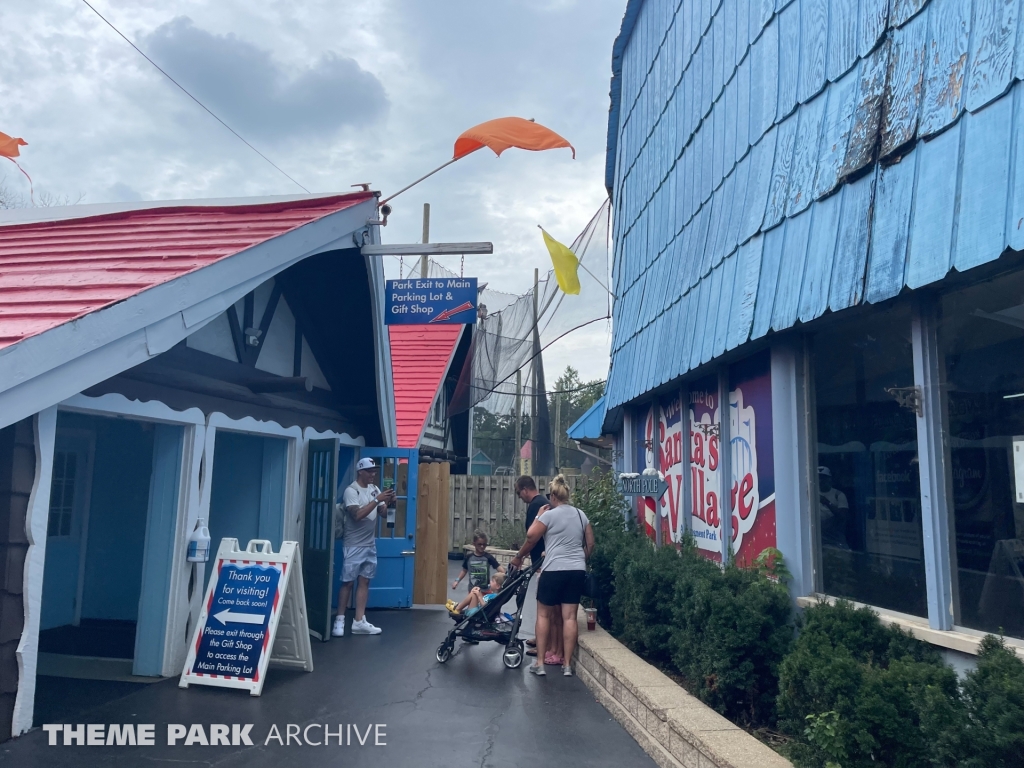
534	403
519	423
426	238
558	435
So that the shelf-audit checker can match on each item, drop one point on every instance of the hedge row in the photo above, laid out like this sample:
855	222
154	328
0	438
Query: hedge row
845	690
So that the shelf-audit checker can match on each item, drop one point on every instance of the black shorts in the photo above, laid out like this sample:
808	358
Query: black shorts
560	587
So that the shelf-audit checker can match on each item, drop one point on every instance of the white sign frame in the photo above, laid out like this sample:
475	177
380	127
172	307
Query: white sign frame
291	648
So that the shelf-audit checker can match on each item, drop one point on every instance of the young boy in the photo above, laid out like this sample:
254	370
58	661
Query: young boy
477	564
477	598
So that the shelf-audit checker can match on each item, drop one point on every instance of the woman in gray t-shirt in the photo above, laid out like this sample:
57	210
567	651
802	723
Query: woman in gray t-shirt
568	542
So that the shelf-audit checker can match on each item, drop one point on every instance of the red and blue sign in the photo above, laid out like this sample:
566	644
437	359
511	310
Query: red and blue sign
429	300
238	620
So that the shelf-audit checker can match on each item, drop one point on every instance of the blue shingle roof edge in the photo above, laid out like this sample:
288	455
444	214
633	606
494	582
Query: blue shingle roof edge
615	92
590	424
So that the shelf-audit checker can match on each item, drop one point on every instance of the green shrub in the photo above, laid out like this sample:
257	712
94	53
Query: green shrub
508	535
643	605
731	631
885	697
850	691
613	528
994	699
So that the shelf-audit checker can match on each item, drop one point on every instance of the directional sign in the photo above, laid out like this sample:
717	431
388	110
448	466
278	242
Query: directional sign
643	485
247	602
419	301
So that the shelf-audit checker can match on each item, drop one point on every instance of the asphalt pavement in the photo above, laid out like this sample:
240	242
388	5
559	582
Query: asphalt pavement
470	711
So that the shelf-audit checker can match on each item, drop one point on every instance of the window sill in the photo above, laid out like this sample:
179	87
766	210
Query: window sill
960	639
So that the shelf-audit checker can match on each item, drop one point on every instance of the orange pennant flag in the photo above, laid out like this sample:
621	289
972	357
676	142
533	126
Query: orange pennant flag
506	132
9	145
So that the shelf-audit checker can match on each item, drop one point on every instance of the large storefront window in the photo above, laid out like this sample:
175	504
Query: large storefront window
981	336
869	510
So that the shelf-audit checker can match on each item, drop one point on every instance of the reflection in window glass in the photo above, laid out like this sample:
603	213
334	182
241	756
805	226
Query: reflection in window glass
869	510
981	335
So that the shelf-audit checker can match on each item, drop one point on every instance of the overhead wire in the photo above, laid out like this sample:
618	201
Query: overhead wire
197	101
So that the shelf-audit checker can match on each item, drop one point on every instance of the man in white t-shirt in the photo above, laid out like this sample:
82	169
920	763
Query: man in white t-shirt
359	507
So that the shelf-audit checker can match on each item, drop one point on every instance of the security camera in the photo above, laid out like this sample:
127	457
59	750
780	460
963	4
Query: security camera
385	210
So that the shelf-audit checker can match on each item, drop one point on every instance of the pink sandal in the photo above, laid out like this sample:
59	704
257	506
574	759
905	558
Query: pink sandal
553	660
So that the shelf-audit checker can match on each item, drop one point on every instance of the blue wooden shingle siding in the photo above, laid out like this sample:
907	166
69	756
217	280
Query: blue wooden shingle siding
771	160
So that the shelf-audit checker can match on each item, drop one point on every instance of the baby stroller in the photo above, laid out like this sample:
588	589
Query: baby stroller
490	623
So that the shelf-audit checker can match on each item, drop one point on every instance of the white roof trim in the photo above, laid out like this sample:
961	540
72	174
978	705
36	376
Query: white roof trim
69	212
50	367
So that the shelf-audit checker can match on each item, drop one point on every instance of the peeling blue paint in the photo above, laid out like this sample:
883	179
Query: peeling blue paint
744	140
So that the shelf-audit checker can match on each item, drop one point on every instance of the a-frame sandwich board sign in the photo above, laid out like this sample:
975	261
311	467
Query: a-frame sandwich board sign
254	613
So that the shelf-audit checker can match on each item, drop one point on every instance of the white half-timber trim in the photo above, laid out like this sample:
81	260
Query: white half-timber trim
116	404
47	368
35	562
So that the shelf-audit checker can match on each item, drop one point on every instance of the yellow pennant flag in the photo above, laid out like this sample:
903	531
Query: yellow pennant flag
565	263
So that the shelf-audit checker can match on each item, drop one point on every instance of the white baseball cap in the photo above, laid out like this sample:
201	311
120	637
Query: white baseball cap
366	464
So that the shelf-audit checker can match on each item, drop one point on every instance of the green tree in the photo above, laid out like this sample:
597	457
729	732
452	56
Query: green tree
570	398
495	435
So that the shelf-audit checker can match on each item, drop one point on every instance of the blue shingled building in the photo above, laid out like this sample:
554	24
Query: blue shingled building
819	282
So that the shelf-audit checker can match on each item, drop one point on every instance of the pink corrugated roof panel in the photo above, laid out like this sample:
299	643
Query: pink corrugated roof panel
420	356
56	271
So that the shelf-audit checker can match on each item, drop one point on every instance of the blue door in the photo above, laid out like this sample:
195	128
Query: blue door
396	531
66	529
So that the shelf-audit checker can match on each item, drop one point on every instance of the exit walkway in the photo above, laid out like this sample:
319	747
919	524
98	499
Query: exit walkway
468	712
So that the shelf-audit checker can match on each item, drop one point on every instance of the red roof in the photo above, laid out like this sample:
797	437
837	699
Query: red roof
55	271
420	356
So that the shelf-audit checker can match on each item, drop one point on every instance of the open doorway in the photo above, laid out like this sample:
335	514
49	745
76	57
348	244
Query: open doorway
110	538
247	497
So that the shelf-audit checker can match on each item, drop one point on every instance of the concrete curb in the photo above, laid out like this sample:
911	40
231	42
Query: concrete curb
673	727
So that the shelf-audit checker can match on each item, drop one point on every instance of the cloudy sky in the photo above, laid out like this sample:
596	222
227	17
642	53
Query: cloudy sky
334	92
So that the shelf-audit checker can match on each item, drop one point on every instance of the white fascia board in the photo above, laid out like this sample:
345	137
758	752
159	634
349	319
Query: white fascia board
382	347
27	653
48	368
72	212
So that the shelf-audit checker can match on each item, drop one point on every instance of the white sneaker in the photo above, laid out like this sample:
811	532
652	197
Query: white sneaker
338	630
364	628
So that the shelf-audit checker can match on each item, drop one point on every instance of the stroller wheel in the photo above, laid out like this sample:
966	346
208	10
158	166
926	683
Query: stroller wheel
444	652
512	658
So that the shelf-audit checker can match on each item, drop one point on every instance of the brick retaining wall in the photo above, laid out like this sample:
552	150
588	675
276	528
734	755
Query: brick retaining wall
673	727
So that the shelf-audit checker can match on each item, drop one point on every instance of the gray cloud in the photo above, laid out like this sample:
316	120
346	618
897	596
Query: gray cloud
119	192
255	94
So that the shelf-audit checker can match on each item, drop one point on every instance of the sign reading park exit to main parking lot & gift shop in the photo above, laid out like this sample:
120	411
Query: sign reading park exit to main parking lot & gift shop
425	300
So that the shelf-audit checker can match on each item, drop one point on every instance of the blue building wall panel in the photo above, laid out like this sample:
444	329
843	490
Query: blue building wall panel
772	160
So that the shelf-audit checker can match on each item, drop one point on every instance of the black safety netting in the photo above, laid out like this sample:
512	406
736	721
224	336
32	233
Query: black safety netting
509	338
512	338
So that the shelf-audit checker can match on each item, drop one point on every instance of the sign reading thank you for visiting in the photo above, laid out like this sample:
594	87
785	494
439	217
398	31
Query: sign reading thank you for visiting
423	300
642	485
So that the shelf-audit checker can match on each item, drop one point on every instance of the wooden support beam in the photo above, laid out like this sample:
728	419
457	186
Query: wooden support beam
427	249
282	384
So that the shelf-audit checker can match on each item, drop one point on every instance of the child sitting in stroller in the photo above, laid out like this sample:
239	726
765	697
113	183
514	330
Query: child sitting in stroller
477	598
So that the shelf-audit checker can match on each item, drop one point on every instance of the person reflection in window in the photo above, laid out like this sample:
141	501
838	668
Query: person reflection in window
834	511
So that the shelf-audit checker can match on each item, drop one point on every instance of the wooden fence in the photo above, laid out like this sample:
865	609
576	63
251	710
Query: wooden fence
484	502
